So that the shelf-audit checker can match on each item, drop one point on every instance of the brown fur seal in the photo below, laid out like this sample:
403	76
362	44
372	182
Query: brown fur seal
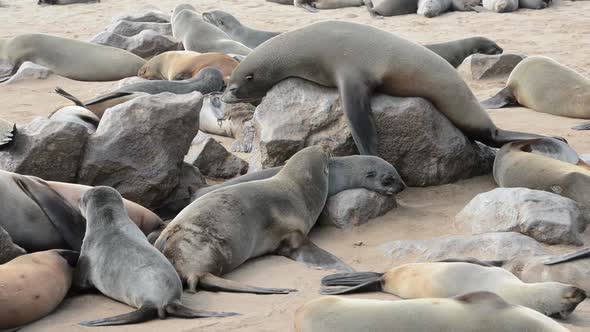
457	50
77	60
32	286
480	311
223	229
544	85
8	249
440	279
182	65
227	23
359	59
117	259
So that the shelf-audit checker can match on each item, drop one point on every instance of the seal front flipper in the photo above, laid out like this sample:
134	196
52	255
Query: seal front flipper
582	253
302	250
583	126
356	282
216	284
502	99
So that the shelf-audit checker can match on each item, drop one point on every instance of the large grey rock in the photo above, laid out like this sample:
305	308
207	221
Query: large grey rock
355	207
488	246
544	216
154	16
29	71
190	181
245	138
146	44
47	149
128	28
8	249
485	66
419	141
213	160
140	145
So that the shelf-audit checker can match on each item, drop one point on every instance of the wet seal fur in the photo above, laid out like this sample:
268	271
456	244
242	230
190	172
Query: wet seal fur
236	30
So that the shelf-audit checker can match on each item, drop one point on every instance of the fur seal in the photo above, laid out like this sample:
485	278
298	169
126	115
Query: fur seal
34	285
7	131
82	61
218	118
223	229
501	6
77	114
227	23
363	59
200	36
481	311
182	65
313	5
457	50
544	85
439	279
142	277
64	2
534	4
391	7
433	8
8	249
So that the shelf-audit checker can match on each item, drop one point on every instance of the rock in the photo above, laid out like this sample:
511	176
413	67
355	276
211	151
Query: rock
488	246
47	149
128	28
544	216
8	249
190	181
146	44
245	138
139	146
213	160
130	80
355	207
421	143
30	71
485	66
154	16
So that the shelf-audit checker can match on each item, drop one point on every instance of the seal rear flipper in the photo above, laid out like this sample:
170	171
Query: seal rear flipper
182	311
359	282
582	126
134	317
473	261
216	284
582	253
69	96
502	99
315	257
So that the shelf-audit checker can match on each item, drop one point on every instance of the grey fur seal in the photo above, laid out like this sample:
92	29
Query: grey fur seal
227	23
223	229
200	36
433	8
544	85
391	7
82	61
501	6
313	5
457	50
439	279
8	249
77	114
117	259
34	285
181	65
481	311
7	131
534	4
64	2
374	60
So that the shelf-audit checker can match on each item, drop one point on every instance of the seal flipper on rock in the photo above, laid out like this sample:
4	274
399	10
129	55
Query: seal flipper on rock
502	99
216	284
299	248
582	253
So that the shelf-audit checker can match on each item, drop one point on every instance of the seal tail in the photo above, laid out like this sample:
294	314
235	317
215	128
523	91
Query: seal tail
582	253
502	99
68	96
179	310
138	316
215	284
357	282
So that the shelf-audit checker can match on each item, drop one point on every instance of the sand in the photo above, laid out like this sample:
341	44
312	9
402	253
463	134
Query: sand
560	32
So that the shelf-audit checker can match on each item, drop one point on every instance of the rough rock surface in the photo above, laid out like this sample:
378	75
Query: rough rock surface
485	66
213	160
129	28
245	138
154	16
190	181
29	71
146	44
355	207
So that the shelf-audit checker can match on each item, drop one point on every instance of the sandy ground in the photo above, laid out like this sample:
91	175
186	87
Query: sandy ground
560	32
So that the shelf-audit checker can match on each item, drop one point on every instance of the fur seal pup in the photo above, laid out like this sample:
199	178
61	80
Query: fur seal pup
439	279
76	114
544	85
182	65
64	2
142	277
501	6
223	229
8	249
7	131
433	8
200	36
363	59
227	23
34	285
457	50
480	311
82	61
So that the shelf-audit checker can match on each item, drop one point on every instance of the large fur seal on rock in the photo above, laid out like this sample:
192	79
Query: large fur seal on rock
227	23
223	229
457	50
8	249
182	65
34	285
480	311
439	279
117	259
71	58
359	60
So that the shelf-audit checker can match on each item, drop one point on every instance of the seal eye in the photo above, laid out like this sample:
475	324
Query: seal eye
250	77
371	174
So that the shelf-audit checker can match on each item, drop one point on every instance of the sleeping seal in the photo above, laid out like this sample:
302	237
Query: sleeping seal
313	5
433	8
117	259
359	60
181	65
227	23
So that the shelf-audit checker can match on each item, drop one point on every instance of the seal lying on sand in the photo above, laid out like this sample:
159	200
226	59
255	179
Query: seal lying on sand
236	30
480	311
359	59
64	2
223	229
117	259
182	65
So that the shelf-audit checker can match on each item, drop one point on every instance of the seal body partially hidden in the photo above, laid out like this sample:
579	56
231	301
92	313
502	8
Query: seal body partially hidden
236	30
501	6
182	65
71	58
33	285
359	59
432	8
77	114
391	7
481	311
8	249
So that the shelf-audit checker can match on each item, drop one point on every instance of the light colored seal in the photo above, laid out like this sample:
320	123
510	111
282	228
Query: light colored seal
78	60
447	279
481	312
544	85
200	36
457	50
64	2
218	119
227	23
223	229
8	249
34	285
359	60
501	6
117	259
76	114
313	5
391	7
433	8
182	65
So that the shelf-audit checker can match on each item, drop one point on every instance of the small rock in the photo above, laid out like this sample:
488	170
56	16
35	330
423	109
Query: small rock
8	249
245	138
355	207
154	16
128	28
146	44
30	71
544	216
485	66
359	244
213	160
190	181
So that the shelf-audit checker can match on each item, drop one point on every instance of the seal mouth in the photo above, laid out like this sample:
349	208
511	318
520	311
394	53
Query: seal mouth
230	98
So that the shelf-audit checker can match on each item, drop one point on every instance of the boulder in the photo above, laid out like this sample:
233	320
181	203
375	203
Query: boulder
485	66
544	216
47	149
355	207
213	160
139	146
29	71
129	28
154	16
421	143
146	44
245	138
190	181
